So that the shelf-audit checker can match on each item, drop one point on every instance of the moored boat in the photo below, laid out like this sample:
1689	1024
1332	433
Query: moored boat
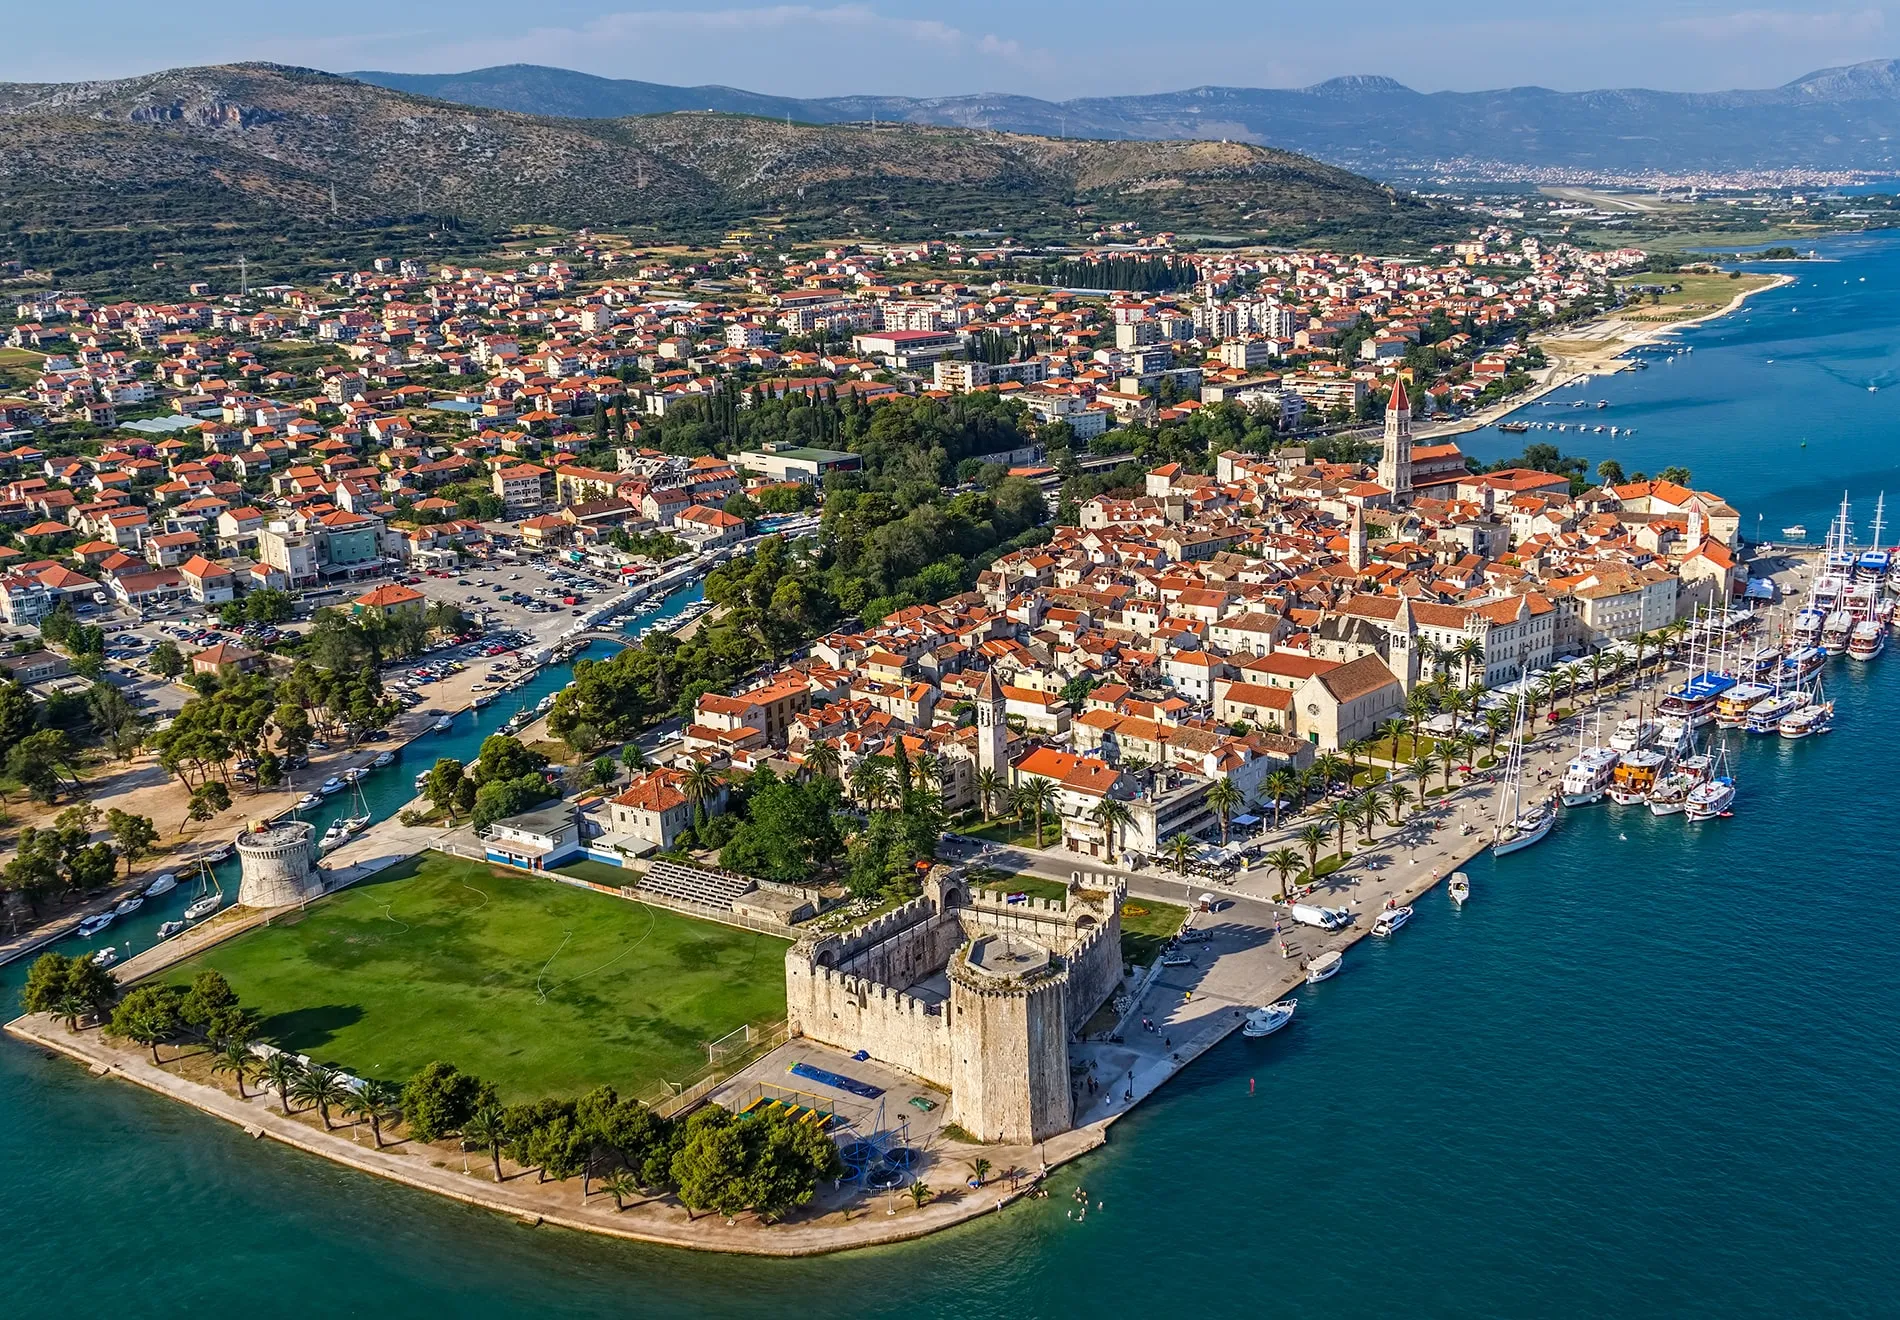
1391	919
1766	717
1732	707
384	759
128	906
1815	717
1694	699
1632	734
106	956
1587	777
169	929
165	883
1710	799
1460	888
1324	967
444	724
1635	776
1867	640
330	785
94	924
310	801
1266	1021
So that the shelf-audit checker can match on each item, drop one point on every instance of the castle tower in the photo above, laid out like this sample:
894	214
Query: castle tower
1402	647
1010	1070
992	729
1395	461
278	864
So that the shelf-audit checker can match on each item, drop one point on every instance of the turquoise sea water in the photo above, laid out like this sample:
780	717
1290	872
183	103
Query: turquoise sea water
1650	1071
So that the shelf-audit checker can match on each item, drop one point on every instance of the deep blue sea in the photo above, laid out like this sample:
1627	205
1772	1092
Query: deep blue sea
1652	1070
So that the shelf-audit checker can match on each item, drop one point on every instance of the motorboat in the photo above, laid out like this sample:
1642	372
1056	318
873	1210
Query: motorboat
1673	736
106	956
1867	640
1671	793
334	836
1635	776
128	906
354	775
310	801
170	929
444	724
1632	734
384	759
1732	707
163	885
330	786
1391	919
1587	777
94	924
1324	967
422	780
221	853
1266	1021
1460	888
1766	717
1795	533
1815	717
200	908
481	701
1711	798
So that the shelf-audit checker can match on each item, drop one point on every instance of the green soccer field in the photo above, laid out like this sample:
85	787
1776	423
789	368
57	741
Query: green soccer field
540	987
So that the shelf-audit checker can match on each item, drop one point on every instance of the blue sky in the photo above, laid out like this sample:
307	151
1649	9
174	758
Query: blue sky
1044	47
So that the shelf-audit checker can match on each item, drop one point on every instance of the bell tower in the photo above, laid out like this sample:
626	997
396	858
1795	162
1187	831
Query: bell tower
992	728
1395	460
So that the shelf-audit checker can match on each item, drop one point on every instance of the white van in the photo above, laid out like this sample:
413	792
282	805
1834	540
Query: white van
1324	918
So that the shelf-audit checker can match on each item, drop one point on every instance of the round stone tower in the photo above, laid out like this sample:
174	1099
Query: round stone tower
1010	1067
279	864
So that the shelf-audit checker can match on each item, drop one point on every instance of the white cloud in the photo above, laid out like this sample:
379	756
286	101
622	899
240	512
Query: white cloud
1781	24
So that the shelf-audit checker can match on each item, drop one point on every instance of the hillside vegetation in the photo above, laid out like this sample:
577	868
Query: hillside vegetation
253	147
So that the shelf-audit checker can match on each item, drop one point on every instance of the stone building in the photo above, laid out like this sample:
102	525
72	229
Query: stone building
969	992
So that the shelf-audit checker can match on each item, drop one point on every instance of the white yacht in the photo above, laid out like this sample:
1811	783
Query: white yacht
1634	733
444	724
1815	717
128	906
93	925
1673	735
165	883
1519	823
1671	793
1587	777
1266	1021
1766	717
330	785
383	759
106	956
310	801
1867	640
1324	967
1391	919
1713	796
1460	888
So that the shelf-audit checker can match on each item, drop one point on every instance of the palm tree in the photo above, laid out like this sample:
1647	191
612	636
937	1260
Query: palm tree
1223	797
280	1072
1495	723
1430	656
74	1009
487	1131
1341	814
1400	797
981	1169
1368	810
1313	838
1393	729
920	1193
1596	674
1417	707
620	1185
700	784
1180	852
1280	784
1470	650
381	1102
1329	768
928	768
870	782
989	789
1042	797
821	758
1354	748
1112	814
237	1060
1283	862
322	1086
1421	766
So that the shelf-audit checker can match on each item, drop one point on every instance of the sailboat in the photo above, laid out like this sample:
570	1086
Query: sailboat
1519	823
345	828
1714	795
210	895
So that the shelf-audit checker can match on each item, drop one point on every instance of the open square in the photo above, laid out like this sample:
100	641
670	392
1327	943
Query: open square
540	987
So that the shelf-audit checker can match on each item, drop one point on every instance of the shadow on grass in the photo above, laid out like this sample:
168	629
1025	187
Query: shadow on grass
303	1029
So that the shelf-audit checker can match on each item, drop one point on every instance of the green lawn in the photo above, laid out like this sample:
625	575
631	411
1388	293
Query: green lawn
1146	925
1008	831
441	958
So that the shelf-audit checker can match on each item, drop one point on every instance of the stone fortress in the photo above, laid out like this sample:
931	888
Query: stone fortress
969	992
278	864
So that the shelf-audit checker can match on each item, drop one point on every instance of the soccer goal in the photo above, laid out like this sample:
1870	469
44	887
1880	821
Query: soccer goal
733	1042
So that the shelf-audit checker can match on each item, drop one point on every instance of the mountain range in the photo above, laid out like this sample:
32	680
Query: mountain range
1844	118
233	142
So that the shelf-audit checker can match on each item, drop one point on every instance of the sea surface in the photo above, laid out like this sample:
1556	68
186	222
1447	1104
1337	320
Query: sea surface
1651	1070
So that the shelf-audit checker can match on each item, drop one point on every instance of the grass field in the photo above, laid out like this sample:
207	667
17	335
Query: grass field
538	986
1699	295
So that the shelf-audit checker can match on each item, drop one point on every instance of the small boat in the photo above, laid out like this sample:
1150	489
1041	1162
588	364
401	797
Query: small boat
481	701
310	801
1587	778
128	906
1815	717
330	785
170	929
1795	533
334	836
1767	716
1266	1021
93	925
1324	967
422	780
355	825
163	885
1633	734
1710	799
1391	919
384	759
444	724
354	775
106	956
218	854
1867	640
1460	887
